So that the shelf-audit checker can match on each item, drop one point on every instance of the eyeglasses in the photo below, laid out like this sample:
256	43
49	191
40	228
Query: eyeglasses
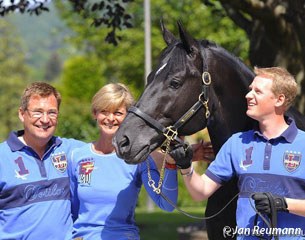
52	114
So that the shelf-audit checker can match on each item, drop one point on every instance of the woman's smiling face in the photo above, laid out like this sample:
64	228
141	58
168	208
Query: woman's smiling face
110	121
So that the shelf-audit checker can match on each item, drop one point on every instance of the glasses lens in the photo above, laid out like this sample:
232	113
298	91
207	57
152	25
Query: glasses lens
39	114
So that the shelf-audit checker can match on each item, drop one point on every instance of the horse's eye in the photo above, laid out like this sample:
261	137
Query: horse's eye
175	84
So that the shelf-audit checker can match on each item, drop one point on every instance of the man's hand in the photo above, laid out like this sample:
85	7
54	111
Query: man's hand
263	202
182	154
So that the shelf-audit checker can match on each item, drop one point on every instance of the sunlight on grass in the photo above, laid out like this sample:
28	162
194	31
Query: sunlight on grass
163	225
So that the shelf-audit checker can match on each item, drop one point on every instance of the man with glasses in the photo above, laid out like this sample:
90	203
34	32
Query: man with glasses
34	183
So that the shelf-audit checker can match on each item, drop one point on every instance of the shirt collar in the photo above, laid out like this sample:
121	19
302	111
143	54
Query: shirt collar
16	145
289	134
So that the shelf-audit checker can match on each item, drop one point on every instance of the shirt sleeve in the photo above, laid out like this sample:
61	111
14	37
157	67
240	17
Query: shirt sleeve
221	169
169	187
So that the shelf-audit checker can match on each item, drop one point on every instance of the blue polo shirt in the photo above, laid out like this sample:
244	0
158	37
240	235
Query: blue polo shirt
105	193
261	165
34	193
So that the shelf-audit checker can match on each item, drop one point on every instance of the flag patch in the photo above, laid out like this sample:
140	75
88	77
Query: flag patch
60	162
292	160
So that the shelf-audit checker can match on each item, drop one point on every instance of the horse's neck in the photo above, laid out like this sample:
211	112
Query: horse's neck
228	117
230	85
218	134
220	129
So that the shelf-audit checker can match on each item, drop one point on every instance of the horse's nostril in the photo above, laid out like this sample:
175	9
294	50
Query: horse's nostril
121	145
124	143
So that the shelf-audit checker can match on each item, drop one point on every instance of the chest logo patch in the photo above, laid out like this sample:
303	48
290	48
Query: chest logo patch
85	170
292	160
59	161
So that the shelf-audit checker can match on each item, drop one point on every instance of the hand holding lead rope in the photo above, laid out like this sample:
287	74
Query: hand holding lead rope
265	201
182	154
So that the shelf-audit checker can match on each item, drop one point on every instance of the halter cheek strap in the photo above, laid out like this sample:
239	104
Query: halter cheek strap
146	118
170	133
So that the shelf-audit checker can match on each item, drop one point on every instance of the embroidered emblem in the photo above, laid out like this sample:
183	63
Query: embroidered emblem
292	160
85	169
244	164
60	162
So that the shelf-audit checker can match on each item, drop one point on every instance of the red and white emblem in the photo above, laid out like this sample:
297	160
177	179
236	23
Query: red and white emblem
60	162
85	169
292	160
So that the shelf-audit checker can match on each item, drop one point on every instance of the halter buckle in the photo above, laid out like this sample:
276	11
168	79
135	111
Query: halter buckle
206	78
171	133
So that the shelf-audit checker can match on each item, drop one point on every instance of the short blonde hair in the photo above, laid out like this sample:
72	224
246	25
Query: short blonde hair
111	97
283	82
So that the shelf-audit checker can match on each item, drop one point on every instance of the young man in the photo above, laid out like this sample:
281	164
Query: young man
34	184
267	161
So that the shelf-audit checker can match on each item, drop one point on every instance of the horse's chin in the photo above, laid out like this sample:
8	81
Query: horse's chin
141	156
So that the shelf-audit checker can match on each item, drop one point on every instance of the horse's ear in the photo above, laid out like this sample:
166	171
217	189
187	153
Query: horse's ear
187	40
168	37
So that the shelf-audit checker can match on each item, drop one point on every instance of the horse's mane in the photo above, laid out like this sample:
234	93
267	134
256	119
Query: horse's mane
212	45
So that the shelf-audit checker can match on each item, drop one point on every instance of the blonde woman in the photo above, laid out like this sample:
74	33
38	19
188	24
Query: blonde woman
105	188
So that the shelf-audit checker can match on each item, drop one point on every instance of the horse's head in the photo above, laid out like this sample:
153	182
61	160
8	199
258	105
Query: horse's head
178	94
172	89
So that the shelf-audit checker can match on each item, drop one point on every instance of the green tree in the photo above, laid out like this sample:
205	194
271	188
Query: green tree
125	62
110	13
13	78
82	78
269	25
42	37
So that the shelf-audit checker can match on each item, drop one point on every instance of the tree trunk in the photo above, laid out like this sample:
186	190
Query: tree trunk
276	30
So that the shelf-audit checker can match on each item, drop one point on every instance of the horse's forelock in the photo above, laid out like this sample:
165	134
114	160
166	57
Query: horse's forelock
174	56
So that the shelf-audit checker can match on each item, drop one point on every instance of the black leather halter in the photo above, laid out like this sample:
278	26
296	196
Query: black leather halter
171	132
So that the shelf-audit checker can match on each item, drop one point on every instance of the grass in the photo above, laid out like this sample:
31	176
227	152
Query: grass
163	225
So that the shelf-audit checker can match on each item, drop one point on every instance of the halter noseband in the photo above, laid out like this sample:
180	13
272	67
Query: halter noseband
171	132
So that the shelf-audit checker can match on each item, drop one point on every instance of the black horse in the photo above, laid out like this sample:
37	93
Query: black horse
197	84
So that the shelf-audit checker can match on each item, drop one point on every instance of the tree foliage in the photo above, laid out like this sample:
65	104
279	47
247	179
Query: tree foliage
109	13
125	63
82	77
13	78
275	28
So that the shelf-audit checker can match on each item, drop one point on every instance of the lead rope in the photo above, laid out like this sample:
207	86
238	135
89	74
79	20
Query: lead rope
273	217
151	182
157	190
